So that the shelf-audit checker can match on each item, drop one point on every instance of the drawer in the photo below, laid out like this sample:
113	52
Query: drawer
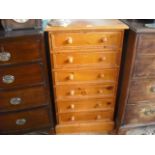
142	90
24	75
81	91
145	66
140	114
22	98
85	75
146	44
85	128
22	121
20	51
85	105
91	58
85	116
109	40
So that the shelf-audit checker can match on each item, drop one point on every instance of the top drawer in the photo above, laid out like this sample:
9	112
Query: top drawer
19	51
109	40
146	44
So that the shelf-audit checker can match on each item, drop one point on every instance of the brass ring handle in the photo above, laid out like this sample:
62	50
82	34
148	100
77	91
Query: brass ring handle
15	101
21	121
70	59
69	40
8	79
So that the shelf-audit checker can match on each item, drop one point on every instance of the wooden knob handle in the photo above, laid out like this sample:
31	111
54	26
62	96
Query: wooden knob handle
100	91
98	117
102	59
101	75
72	118
98	105
72	106
71	77
72	92
104	39
70	60
69	40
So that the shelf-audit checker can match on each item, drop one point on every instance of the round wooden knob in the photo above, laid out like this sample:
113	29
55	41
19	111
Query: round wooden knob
101	75
69	40
72	118
104	39
71	77
72	92
100	91
72	106
98	117
70	60
98	105
102	59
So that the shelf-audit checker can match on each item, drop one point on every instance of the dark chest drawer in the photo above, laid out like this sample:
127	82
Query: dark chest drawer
142	90
23	98
17	76
20	50
145	66
146	44
27	120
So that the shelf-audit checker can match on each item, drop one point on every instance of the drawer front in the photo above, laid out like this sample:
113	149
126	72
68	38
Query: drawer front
77	91
20	75
145	66
142	90
19	51
146	44
80	75
85	116
22	98
70	59
140	114
28	120
84	105
111	40
86	127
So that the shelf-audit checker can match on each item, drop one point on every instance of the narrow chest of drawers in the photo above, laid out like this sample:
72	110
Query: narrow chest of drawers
25	104
85	68
137	98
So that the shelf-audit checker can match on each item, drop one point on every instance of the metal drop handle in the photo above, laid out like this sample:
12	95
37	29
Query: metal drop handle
15	101
4	55
8	79
20	121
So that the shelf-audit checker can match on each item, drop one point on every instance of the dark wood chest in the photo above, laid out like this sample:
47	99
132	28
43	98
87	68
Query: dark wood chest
25	103
137	95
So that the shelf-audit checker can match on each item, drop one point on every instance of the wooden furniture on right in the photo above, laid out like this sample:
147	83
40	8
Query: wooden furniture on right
137	96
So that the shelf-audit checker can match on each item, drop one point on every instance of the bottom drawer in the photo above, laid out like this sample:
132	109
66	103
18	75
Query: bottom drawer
85	116
140	114
27	120
85	128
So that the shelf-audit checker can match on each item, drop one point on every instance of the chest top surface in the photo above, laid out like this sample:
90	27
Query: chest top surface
90	24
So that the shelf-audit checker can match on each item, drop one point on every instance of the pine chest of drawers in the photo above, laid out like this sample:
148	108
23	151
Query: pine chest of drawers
137	96
85	60
25	104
